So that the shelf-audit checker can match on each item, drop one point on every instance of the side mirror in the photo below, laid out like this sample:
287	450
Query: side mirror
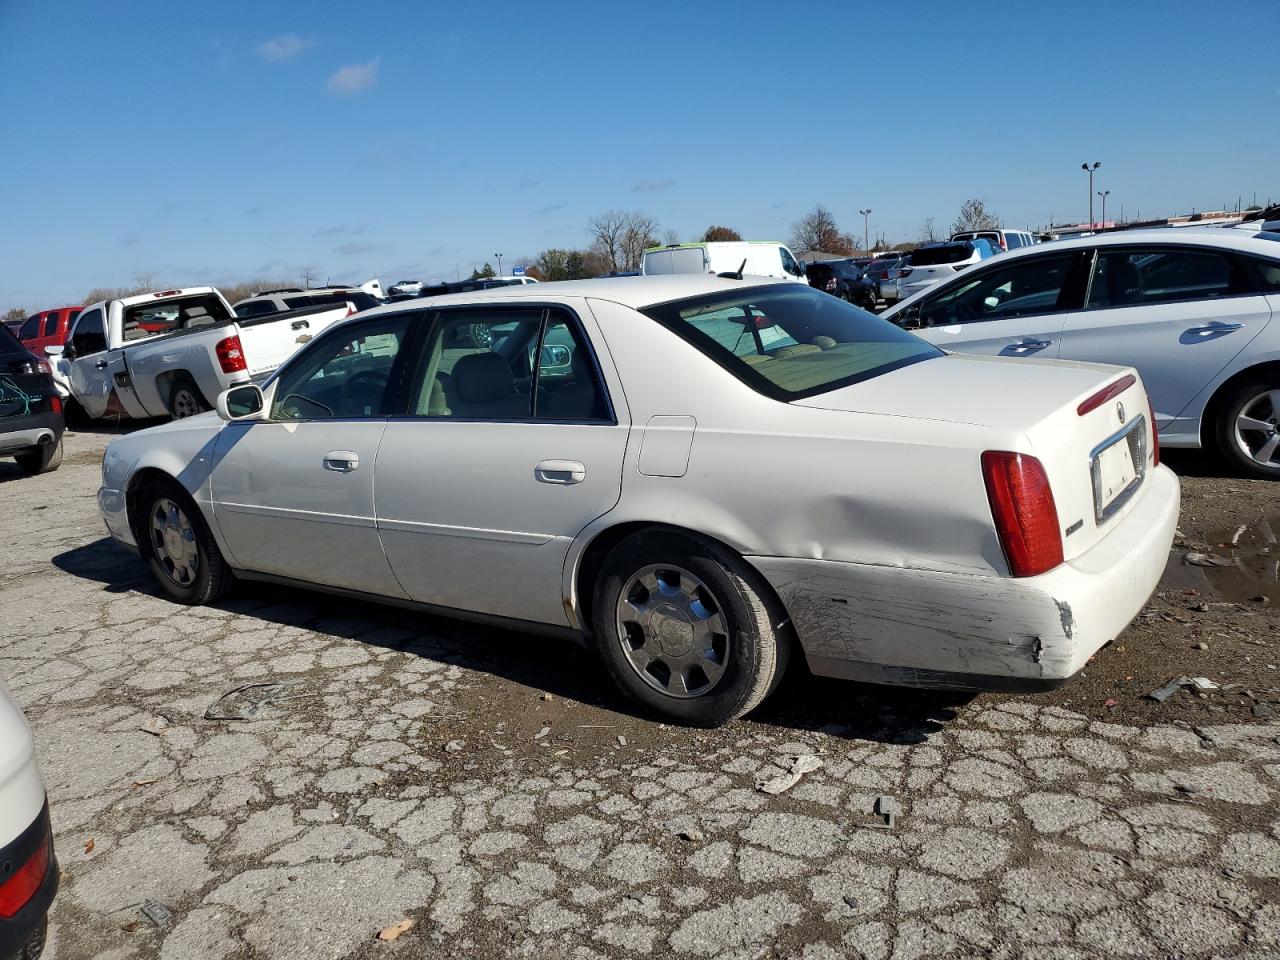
53	350
242	402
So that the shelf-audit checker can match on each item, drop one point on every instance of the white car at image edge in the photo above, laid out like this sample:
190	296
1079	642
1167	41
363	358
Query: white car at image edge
28	867
1192	309
701	476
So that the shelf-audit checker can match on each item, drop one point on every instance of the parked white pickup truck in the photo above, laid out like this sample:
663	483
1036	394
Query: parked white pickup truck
171	353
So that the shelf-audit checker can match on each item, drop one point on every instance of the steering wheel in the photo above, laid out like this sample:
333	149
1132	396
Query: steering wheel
368	385
961	312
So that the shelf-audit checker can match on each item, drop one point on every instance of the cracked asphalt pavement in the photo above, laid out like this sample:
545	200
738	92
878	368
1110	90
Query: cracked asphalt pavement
493	788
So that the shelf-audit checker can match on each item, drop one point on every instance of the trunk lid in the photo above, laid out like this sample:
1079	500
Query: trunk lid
1036	405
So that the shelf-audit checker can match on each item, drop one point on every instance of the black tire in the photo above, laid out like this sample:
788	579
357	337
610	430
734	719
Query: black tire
756	640
185	399
1234	447
211	578
44	459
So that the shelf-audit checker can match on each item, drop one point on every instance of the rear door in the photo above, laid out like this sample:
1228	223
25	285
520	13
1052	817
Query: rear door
1014	309
1177	313
499	462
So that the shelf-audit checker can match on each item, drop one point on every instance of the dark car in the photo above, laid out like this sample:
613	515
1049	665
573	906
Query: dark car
840	278
31	422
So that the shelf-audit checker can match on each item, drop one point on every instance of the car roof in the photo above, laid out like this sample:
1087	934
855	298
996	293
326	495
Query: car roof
1211	237
635	292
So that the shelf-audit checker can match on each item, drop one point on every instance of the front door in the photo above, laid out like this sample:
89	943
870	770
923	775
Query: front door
87	363
293	494
511	447
1177	314
1014	309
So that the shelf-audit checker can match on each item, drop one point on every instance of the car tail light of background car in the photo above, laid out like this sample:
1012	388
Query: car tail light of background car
904	273
1024	511
831	285
21	885
231	355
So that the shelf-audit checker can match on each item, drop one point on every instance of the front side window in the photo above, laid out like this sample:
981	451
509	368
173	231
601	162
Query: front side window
789	263
790	341
1018	289
1124	278
30	329
90	335
349	374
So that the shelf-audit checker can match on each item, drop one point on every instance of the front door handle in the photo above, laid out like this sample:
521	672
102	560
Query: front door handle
101	364
341	461
561	472
1216	327
1025	347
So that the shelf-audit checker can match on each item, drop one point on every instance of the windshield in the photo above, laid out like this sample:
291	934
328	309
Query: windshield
790	341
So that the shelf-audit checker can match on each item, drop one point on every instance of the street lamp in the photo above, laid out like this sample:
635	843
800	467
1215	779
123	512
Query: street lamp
1087	168
1104	194
499	256
866	246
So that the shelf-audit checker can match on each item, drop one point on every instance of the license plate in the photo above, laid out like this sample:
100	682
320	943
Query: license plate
1118	469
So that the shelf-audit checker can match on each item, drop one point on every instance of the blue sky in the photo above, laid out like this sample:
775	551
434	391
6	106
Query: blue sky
223	141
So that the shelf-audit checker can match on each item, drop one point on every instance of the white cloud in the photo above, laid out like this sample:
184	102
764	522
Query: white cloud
355	78
284	47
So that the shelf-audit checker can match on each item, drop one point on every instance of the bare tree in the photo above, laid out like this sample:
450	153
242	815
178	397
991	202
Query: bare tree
640	234
974	215
927	233
670	235
619	238
716	232
146	280
818	230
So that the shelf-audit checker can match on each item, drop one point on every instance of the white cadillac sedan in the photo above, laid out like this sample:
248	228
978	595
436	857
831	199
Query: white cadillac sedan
1193	309
702	476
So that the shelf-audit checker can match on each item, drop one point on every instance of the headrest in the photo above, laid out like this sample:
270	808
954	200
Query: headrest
192	312
480	377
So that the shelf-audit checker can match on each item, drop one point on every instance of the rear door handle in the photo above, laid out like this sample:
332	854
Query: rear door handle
1216	327
561	472
341	461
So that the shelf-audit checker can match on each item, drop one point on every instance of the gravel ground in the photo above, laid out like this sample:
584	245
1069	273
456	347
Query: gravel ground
494	789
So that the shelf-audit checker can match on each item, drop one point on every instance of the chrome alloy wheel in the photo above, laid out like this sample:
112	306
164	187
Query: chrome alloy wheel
1256	431
174	542
673	631
184	403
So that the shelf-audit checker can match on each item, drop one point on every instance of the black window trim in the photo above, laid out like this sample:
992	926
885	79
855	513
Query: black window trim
1073	295
437	317
747	375
1240	271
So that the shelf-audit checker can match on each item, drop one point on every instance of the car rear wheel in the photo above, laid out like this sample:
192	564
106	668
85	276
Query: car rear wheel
185	400
44	459
179	548
687	629
1249	429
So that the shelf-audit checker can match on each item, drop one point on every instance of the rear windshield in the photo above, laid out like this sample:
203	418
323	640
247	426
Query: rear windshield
152	319
951	253
9	345
789	341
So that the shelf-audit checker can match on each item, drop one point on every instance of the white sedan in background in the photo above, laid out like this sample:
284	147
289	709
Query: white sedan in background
700	475
1194	310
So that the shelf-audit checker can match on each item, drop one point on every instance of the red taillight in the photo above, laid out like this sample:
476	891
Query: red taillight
231	355
904	273
1155	436
1004	245
166	293
55	404
1107	393
1025	514
23	883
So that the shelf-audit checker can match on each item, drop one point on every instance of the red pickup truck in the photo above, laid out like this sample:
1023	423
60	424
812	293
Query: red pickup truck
48	328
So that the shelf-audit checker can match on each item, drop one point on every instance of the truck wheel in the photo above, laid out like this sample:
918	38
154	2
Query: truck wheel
179	548
44	459
185	399
481	335
1248	429
687	629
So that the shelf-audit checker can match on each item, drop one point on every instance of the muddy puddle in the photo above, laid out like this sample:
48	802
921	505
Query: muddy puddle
1242	564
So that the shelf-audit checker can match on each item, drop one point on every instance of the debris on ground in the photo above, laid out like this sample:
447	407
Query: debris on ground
542	733
147	782
800	765
453	746
267	692
157	913
547	696
622	741
89	845
886	808
1207	559
394	931
155	726
1161	694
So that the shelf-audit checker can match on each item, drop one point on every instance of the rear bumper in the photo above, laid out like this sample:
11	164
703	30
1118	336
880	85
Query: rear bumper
23	433
923	628
22	935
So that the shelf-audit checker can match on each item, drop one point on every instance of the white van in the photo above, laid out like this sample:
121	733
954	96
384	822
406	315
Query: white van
1004	239
762	259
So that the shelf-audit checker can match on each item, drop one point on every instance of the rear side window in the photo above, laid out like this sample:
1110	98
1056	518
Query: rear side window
255	308
293	303
50	325
1268	273
9	345
1123	278
789	341
1013	240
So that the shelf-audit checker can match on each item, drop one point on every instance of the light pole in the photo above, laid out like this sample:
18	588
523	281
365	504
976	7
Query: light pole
1087	168
1104	194
499	256
865	232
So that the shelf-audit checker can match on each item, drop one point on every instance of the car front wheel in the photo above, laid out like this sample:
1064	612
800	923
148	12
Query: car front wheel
179	548
1249	429
687	629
